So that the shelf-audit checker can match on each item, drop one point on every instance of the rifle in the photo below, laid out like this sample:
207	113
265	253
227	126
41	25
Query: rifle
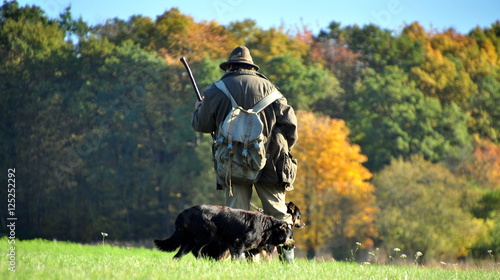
198	95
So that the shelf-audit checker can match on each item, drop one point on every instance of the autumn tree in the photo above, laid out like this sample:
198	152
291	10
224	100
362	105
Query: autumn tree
482	166
332	188
423	207
483	107
377	48
442	74
340	60
171	34
274	42
463	70
488	209
390	118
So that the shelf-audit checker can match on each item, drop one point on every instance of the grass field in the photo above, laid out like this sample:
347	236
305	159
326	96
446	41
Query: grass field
40	259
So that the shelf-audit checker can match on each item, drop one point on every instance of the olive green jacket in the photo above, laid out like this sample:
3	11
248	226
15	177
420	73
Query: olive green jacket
279	121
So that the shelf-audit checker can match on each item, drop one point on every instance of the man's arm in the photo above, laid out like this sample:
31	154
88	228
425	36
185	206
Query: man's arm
203	119
287	122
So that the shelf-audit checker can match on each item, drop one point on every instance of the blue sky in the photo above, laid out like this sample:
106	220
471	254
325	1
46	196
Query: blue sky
463	15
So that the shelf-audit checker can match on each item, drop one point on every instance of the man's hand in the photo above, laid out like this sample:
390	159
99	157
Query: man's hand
198	103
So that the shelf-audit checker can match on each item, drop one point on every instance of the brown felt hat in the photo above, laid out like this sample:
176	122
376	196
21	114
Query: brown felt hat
240	54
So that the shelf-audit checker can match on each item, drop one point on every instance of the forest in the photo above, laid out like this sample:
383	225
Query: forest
399	132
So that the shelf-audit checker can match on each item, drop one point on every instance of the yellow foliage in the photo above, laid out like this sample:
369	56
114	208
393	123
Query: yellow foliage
435	73
266	45
331	185
416	31
440	77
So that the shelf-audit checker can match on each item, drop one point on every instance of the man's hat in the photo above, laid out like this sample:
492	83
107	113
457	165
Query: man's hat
240	54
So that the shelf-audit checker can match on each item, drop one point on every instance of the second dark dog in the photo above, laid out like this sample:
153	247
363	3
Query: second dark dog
294	211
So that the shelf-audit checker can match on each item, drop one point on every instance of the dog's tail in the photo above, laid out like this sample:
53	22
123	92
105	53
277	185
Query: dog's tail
170	244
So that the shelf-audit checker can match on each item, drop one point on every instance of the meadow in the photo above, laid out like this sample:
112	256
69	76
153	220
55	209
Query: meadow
42	259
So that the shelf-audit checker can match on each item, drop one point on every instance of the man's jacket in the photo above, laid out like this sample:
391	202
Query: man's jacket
280	123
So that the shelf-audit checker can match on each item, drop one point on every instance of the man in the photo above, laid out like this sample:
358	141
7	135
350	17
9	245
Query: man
247	86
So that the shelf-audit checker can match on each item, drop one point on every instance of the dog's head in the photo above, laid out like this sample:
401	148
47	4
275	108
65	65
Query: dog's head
282	235
293	210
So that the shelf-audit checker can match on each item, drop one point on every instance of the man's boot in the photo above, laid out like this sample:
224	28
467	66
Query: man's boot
286	255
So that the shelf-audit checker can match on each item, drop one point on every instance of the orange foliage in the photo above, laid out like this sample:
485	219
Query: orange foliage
332	184
180	35
484	167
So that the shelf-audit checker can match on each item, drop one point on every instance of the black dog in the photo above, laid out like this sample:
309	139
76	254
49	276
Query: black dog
218	251
235	229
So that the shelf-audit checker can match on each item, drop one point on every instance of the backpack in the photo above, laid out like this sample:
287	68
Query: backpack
240	151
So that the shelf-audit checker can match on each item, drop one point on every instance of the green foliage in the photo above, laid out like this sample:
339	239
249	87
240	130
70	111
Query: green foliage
302	85
107	126
485	115
488	247
378	47
206	73
244	30
390	118
488	206
170	25
423	208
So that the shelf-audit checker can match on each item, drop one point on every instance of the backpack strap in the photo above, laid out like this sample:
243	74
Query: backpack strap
263	103
220	85
266	101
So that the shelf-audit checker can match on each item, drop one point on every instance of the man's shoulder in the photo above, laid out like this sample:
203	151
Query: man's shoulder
212	89
244	74
252	78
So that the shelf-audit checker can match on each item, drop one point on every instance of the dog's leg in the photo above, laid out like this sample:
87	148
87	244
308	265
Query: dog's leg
238	253
203	237
215	250
199	246
240	257
267	252
185	248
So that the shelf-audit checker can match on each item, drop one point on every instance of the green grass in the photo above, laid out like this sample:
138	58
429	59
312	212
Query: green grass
40	259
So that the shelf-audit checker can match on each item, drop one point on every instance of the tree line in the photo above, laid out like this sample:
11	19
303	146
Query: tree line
399	132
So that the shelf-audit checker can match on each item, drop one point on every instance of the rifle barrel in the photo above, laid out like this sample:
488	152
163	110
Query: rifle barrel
184	61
